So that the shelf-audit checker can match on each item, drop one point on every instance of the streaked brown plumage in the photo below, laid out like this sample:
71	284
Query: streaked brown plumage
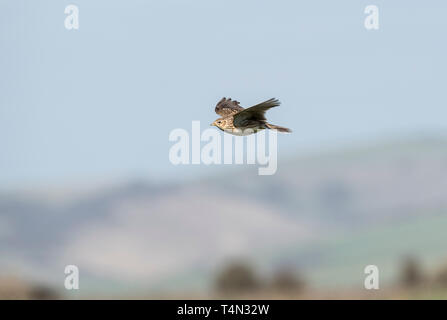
239	121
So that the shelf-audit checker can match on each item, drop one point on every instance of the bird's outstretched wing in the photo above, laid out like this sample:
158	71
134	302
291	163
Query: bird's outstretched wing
226	107
256	112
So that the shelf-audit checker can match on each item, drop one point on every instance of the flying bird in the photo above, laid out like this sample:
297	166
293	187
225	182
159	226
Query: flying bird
236	120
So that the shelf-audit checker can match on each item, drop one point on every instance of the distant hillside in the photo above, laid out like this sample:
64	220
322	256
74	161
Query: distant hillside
328	214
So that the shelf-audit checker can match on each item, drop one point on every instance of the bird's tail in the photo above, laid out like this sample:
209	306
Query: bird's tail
278	128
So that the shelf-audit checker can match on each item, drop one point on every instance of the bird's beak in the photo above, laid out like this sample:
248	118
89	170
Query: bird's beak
212	124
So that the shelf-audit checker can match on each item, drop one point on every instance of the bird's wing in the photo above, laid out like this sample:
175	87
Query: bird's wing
256	112
226	107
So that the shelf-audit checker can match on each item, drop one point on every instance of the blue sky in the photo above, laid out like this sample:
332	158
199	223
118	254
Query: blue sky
100	101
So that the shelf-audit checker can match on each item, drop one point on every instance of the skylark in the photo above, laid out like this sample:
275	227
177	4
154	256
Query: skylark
239	121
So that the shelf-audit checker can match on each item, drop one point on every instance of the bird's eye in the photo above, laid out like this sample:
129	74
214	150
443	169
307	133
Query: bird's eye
219	122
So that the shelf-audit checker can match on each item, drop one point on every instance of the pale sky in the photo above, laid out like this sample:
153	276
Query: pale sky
100	101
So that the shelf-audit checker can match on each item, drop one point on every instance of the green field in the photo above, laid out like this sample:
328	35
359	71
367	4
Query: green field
341	260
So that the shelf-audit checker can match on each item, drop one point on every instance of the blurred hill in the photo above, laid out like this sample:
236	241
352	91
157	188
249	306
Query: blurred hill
329	215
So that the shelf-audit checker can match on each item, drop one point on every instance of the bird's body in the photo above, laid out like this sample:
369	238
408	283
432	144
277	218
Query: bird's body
239	121
227	125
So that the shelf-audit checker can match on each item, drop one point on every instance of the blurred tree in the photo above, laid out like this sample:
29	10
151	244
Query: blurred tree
237	277
285	280
441	277
41	292
411	272
18	289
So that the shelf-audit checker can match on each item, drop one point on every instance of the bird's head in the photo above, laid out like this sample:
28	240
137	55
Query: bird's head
220	123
